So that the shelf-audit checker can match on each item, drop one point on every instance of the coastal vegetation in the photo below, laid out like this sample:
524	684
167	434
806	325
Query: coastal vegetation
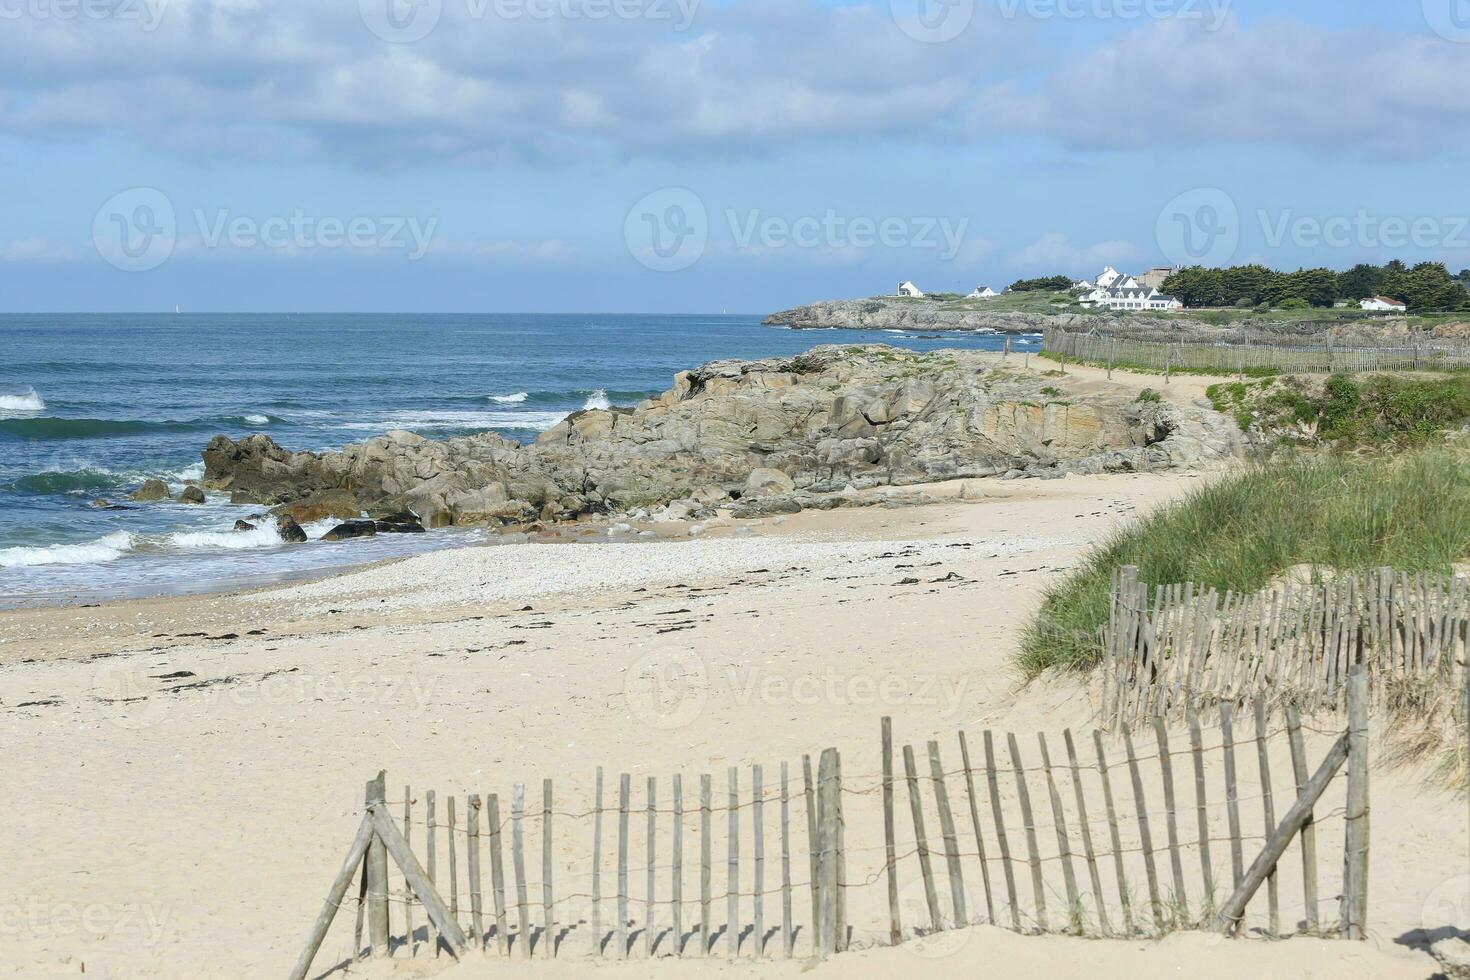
1427	286
1409	510
1347	411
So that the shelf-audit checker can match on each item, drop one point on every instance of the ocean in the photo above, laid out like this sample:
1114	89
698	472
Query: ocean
92	405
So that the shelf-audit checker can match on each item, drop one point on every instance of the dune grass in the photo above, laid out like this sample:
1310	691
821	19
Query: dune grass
1410	511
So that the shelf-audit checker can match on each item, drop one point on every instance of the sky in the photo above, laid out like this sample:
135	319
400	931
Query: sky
700	156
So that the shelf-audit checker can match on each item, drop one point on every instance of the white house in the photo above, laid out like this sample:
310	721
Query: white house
908	289
1383	304
983	292
1109	278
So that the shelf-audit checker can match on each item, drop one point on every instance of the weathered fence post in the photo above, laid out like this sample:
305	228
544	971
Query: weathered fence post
895	921
828	789
377	873
1355	857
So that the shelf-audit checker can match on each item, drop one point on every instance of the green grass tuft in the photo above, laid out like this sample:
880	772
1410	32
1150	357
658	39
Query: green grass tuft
1410	511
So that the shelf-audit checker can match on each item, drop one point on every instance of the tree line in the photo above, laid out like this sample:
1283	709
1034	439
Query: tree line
1426	286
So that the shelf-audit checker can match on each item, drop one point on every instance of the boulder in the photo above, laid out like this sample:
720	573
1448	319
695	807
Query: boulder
340	505
244	526
764	481
289	530
350	530
191	495
152	490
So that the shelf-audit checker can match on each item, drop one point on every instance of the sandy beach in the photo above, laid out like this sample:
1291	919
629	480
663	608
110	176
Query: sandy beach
187	772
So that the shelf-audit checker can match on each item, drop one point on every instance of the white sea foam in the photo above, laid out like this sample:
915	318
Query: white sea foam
430	420
262	537
257	420
29	402
515	399
192	473
598	400
101	551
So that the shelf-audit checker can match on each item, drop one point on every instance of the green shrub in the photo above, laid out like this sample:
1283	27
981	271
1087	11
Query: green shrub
1150	396
1411	512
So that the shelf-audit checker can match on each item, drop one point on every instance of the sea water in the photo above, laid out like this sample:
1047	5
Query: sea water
92	405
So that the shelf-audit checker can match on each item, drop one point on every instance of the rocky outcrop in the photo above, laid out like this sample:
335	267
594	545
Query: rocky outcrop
831	419
892	313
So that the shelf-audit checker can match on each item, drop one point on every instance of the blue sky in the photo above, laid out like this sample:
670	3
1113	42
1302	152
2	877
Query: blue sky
694	156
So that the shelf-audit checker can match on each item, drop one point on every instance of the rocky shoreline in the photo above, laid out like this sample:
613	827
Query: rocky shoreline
749	438
893	313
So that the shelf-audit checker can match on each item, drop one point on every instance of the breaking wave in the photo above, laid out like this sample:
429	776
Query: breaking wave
29	402
99	552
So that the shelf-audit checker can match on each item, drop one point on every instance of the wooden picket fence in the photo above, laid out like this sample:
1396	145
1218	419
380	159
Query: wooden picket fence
1171	648
931	873
1269	355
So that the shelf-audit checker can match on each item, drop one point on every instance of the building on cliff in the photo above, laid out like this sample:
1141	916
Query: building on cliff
907	288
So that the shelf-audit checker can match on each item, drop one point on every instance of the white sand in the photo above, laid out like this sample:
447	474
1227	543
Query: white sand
194	833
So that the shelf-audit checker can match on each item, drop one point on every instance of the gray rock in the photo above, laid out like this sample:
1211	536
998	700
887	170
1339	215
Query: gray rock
350	530
290	531
1453	954
191	495
152	490
834	419
244	526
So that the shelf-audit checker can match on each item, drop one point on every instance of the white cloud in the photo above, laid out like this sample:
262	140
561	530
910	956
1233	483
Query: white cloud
36	250
290	80
1056	253
1280	82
